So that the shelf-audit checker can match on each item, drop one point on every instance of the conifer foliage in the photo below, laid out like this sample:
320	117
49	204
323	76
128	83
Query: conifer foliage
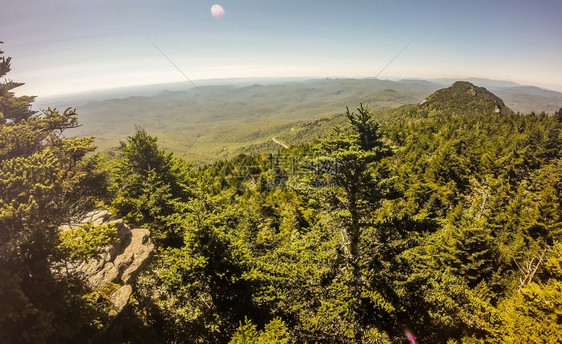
44	182
440	223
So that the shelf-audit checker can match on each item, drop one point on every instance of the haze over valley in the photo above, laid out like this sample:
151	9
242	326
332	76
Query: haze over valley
225	117
280	172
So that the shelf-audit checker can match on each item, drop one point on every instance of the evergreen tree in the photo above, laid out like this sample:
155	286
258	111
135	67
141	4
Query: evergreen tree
45	181
346	163
348	184
149	183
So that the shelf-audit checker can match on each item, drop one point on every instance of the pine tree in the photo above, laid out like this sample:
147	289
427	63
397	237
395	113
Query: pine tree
45	181
345	161
349	184
148	185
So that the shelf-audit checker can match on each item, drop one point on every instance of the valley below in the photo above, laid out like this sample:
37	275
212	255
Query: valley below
227	117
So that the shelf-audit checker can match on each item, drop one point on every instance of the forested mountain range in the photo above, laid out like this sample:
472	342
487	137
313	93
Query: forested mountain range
219	120
433	222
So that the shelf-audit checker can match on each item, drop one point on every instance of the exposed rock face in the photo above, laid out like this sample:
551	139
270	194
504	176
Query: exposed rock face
120	263
120	298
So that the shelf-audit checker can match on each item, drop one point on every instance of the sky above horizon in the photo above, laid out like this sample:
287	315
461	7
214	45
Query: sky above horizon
63	46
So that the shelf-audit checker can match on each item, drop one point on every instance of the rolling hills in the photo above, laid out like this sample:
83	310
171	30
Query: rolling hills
215	120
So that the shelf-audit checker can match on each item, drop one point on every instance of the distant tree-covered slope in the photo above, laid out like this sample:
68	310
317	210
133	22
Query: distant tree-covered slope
439	224
249	115
520	98
465	98
460	99
443	226
237	116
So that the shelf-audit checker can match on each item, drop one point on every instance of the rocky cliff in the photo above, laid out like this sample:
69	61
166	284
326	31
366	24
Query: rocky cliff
113	272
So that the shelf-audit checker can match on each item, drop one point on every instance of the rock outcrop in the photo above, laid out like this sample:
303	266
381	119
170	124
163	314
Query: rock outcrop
114	270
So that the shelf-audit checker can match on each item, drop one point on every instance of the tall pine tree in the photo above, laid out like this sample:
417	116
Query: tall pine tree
44	182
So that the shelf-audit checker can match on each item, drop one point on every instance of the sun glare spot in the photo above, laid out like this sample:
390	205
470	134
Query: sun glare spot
217	11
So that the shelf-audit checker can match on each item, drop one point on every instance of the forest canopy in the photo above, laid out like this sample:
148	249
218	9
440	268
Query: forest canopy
433	223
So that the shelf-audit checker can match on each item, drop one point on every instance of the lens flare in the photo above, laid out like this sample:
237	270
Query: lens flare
217	11
410	336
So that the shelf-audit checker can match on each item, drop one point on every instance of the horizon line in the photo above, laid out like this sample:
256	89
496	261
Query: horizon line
436	80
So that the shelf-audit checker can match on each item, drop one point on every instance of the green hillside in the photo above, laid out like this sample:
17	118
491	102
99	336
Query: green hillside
237	116
463	98
460	99
216	121
445	228
433	223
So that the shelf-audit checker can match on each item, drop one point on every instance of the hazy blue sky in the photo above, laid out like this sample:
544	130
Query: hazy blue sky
60	46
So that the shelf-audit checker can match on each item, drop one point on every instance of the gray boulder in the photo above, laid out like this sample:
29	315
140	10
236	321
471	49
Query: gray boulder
116	268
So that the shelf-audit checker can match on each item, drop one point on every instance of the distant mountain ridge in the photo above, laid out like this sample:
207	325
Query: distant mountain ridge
520	98
237	116
249	115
